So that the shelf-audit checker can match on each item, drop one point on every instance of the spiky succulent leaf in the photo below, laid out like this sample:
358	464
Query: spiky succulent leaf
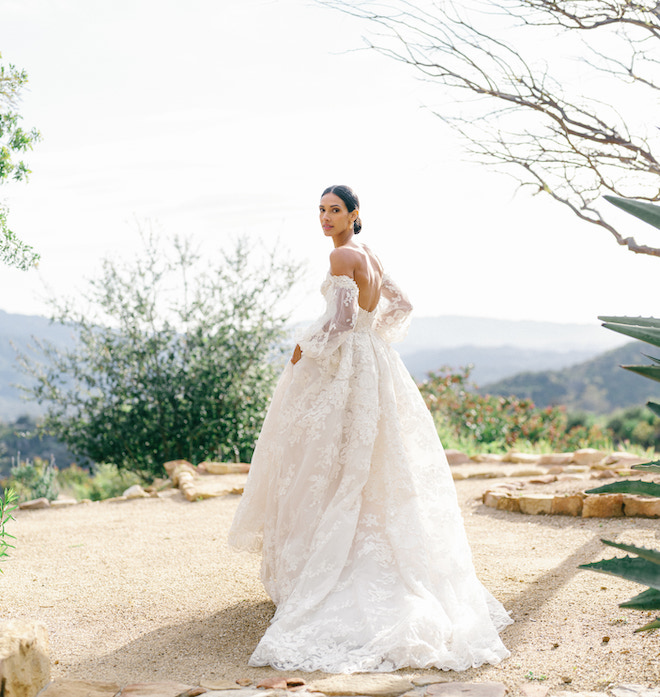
648	371
646	600
631	568
649	466
648	333
643	552
652	358
648	212
655	408
628	486
634	321
651	625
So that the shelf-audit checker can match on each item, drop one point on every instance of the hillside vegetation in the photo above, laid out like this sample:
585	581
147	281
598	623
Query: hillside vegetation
597	385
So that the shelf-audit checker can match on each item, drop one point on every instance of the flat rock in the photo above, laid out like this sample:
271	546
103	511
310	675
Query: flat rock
224	467
630	690
555	459
602	506
456	457
544	479
567	505
523	458
370	684
536	504
534	690
79	688
34	504
641	506
424	680
155	689
588	456
467	689
219	685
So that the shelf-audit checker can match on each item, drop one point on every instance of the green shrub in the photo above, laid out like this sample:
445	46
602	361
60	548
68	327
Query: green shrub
34	479
8	504
491	423
103	482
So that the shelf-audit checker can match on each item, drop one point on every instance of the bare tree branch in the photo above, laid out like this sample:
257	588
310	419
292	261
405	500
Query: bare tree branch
510	103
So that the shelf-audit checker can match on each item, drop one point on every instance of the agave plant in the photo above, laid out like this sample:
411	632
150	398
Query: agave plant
644	568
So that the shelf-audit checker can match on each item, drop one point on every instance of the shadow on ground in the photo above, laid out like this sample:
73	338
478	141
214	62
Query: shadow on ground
208	647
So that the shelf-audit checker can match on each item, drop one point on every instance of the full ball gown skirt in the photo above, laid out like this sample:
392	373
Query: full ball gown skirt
352	504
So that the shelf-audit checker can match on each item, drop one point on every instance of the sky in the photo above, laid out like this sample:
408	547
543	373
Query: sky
217	118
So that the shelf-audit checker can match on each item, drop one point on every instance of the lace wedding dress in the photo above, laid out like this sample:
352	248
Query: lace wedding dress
352	504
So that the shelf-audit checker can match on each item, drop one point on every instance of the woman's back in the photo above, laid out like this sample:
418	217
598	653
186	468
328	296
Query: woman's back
361	264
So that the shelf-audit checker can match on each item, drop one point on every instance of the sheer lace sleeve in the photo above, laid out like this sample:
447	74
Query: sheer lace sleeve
393	313
325	335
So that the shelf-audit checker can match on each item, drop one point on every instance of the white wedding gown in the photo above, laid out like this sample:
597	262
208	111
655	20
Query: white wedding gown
351	501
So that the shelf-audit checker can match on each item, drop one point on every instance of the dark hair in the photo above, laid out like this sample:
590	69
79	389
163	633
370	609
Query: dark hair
349	197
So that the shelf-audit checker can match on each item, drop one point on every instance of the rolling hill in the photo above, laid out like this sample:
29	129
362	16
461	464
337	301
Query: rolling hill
597	385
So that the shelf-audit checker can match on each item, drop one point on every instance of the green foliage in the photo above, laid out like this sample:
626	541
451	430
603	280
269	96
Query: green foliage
492	422
8	504
628	486
648	212
103	482
597	385
634	425
22	436
34	480
648	467
176	358
645	567
14	140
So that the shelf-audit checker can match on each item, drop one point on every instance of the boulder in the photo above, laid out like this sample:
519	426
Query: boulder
568	504
24	658
588	456
536	504
602	506
642	506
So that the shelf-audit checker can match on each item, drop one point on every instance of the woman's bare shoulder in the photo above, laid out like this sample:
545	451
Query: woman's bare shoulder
343	261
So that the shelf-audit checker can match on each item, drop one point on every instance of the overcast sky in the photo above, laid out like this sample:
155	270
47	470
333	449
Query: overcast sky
218	117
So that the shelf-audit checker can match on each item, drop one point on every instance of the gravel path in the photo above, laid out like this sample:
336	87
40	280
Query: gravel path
148	590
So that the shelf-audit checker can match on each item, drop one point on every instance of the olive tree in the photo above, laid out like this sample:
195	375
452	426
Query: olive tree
561	94
14	141
174	356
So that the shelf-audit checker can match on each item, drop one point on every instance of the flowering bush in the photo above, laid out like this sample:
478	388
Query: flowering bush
492	422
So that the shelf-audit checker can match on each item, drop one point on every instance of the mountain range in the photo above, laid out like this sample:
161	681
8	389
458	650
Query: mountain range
498	350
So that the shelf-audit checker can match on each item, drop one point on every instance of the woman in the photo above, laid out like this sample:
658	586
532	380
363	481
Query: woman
350	498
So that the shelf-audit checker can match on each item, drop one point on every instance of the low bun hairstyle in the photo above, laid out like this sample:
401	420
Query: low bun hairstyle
349	197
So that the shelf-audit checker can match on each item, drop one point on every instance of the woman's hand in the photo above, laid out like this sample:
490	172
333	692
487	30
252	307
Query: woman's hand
297	354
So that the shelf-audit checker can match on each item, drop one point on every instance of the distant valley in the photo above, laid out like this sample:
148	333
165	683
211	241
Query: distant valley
498	350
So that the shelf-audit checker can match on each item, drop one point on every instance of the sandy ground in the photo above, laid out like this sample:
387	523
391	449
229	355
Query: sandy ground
148	590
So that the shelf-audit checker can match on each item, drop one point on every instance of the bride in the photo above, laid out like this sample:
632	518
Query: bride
350	499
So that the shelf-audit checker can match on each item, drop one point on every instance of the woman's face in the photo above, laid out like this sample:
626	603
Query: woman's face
334	216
